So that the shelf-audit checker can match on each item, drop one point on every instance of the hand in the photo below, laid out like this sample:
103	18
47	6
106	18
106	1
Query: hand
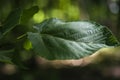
112	53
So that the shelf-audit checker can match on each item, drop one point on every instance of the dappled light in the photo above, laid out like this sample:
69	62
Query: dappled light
39	16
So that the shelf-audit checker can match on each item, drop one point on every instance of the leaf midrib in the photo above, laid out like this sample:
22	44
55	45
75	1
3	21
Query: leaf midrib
68	39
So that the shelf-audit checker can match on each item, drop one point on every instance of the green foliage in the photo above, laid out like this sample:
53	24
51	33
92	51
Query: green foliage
17	16
28	13
6	56
11	21
53	39
56	39
8	42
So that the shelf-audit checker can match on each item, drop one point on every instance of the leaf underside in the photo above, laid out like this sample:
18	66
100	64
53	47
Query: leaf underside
56	39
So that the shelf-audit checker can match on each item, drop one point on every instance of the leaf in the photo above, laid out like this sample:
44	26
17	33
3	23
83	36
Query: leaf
5	55
17	16
11	21
59	40
28	13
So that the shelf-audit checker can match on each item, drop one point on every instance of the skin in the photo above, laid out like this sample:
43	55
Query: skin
112	53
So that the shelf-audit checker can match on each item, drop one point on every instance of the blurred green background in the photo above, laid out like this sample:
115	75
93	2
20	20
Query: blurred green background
105	12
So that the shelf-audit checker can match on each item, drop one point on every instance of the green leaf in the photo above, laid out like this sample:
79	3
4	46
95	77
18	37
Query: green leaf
56	39
17	16
11	21
28	13
5	55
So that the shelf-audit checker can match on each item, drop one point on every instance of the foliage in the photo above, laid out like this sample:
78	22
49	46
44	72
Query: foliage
22	43
15	18
56	39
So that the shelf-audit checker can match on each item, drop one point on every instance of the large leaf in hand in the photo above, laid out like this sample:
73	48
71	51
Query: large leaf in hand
58	40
